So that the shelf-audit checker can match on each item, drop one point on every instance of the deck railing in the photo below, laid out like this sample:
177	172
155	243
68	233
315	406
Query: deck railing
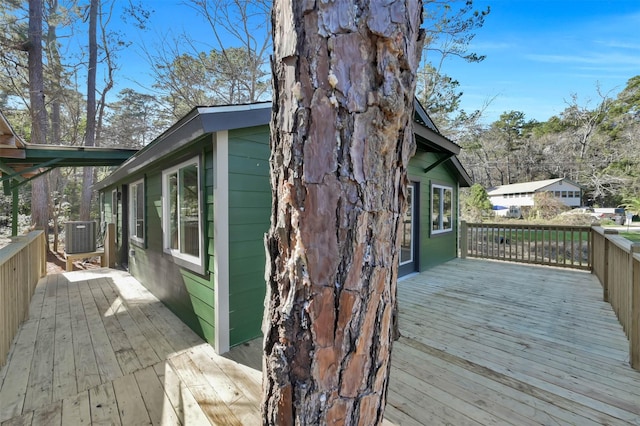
614	260
617	266
22	263
553	245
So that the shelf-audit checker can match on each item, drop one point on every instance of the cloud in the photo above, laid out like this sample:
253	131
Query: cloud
615	44
603	59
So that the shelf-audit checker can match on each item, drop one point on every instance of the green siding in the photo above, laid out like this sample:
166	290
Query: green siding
249	215
439	248
189	295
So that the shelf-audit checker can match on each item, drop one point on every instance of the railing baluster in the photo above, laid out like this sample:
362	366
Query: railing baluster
537	244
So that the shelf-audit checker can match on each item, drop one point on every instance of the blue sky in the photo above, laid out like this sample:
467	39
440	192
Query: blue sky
538	52
541	52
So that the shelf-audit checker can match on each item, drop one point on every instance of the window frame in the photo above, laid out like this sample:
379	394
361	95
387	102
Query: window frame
194	263
133	226
442	189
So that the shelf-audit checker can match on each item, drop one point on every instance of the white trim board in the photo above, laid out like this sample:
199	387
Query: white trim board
221	240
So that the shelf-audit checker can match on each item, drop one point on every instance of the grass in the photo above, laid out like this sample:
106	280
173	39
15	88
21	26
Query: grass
631	236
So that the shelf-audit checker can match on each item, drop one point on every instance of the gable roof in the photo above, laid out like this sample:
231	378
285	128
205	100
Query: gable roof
198	122
204	120
526	186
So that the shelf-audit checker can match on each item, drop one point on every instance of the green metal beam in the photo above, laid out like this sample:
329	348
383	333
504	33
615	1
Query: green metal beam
6	184
31	178
76	158
6	169
18	175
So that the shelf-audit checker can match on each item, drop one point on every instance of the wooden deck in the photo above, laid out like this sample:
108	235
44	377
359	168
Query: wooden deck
488	342
100	349
483	343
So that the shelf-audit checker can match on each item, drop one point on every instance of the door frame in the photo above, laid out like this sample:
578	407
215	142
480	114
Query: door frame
414	264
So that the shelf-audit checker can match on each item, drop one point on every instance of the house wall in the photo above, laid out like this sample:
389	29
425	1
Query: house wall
249	220
112	213
562	187
188	294
438	248
561	190
191	295
508	200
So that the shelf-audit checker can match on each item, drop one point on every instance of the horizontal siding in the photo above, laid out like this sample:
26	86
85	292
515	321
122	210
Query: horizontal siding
153	194
239	233
250	199
190	296
248	165
249	218
248	183
246	249
249	279
245	324
208	209
439	248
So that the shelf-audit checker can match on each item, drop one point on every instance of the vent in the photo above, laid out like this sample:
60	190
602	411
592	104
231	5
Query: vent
80	237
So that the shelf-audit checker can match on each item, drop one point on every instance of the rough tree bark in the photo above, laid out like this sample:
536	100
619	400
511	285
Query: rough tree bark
341	139
39	187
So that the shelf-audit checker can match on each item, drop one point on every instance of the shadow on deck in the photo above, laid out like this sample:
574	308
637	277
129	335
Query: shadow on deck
483	343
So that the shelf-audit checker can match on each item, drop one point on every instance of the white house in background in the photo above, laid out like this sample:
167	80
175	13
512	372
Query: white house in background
521	194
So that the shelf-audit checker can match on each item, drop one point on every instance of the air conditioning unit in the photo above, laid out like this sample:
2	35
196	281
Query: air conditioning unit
80	237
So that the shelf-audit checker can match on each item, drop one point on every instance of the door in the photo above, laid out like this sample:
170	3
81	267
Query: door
410	231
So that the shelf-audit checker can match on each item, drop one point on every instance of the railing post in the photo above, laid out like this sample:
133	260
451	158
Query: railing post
44	247
590	247
605	274
634	329
464	239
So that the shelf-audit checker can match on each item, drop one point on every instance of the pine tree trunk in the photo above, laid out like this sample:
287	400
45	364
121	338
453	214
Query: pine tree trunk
87	181
341	139
39	187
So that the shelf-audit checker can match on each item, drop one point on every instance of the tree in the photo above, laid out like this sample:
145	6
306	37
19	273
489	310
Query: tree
133	120
232	67
584	121
476	202
546	206
90	135
213	78
39	187
246	23
510	127
450	28
632	204
341	138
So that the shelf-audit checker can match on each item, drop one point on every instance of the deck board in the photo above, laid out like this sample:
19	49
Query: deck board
482	343
535	341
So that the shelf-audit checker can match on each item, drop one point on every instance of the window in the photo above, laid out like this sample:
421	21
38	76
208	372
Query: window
136	211
441	209
181	207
